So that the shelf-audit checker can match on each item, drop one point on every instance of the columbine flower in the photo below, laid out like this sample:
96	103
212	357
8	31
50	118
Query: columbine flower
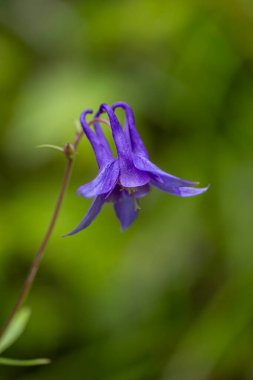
125	179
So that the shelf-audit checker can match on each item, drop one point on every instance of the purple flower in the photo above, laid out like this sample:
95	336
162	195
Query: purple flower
125	179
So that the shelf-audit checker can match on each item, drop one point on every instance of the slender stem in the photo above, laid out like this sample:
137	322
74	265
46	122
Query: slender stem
37	260
69	151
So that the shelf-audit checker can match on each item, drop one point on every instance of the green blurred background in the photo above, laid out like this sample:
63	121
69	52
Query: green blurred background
171	298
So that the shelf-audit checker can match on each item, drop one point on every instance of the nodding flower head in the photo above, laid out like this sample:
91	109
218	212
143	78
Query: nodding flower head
125	179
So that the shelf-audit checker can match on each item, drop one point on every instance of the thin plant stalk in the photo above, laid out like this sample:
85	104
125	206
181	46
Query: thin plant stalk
69	151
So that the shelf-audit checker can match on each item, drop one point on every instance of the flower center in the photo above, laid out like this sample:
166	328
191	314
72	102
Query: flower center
131	191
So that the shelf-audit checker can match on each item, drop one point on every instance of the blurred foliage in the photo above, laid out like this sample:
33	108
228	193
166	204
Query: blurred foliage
171	298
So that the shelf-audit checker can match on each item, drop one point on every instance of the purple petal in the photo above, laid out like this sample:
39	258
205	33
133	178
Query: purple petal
131	131
122	145
90	216
125	210
104	182
98	141
129	175
144	164
101	136
182	191
114	195
141	191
